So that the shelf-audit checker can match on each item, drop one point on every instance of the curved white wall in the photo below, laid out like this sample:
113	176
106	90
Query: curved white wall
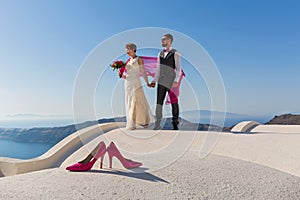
245	126
57	154
274	128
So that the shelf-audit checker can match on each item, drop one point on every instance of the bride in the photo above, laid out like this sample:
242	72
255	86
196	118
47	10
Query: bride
138	111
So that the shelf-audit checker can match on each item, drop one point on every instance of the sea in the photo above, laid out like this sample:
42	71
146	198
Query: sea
24	150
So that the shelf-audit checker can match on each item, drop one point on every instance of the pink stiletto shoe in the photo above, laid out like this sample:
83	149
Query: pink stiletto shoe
113	151
81	166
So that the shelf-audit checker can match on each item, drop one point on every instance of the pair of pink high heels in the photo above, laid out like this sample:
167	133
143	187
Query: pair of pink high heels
112	151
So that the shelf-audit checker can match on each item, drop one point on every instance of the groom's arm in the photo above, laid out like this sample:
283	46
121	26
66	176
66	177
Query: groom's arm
177	67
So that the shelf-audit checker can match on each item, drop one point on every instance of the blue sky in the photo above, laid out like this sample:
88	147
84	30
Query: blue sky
255	45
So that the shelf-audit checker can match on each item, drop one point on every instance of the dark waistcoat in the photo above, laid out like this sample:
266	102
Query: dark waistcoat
167	69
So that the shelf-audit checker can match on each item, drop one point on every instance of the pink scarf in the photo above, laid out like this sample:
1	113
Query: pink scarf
150	65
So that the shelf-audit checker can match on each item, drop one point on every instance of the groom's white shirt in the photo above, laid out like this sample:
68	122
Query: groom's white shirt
178	71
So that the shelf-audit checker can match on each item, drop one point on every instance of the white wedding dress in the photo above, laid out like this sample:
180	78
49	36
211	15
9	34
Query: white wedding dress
138	111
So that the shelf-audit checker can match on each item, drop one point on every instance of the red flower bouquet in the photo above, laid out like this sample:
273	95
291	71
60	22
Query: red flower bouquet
117	65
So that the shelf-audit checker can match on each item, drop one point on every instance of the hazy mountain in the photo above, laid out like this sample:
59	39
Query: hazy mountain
204	117
187	125
32	116
22	116
34	120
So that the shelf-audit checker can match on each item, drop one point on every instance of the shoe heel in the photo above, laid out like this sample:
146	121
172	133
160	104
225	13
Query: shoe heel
101	162
110	161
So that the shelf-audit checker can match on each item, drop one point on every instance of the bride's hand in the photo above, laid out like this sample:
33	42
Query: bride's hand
124	76
175	84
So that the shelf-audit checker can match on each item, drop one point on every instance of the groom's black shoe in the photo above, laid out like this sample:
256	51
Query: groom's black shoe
175	127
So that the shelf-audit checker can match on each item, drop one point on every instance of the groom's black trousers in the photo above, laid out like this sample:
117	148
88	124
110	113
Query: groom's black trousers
161	95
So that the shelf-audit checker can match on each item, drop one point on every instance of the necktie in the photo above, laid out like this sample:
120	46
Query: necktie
166	50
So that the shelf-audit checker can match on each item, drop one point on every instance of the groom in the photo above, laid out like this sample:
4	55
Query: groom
167	76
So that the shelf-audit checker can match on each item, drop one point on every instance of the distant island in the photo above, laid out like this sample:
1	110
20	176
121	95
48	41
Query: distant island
52	135
287	119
